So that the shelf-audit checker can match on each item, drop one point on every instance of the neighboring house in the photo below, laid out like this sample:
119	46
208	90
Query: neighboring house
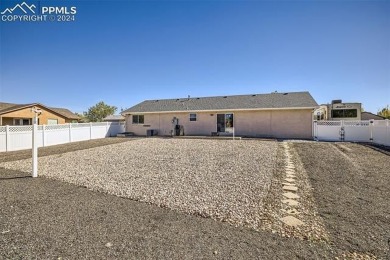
338	111
279	115
368	116
114	118
21	114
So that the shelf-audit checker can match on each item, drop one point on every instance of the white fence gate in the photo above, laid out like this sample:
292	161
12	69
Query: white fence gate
376	131
13	138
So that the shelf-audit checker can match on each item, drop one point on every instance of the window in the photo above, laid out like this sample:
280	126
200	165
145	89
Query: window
52	121
22	121
344	113
138	119
229	120
192	117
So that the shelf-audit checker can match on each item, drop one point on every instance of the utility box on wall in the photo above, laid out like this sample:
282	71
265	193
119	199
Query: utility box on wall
151	132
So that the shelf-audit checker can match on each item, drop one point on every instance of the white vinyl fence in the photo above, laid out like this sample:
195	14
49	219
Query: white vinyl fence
13	138
376	131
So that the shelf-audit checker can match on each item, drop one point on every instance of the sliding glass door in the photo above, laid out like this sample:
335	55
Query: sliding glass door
225	123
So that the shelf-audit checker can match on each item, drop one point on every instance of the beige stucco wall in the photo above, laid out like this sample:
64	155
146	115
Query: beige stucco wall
261	123
204	125
7	119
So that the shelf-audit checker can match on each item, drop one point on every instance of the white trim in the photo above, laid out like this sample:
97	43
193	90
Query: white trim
217	110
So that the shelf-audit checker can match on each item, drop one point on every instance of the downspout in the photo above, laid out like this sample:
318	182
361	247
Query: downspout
1	120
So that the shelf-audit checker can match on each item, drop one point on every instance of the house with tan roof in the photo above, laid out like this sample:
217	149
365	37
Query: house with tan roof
277	115
21	114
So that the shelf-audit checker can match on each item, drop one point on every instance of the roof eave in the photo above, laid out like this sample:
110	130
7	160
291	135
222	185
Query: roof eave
217	110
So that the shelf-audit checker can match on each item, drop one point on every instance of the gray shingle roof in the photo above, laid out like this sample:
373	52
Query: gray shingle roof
114	118
65	112
368	116
255	101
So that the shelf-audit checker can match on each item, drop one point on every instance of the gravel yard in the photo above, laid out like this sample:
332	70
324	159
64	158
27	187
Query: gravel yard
343	188
222	179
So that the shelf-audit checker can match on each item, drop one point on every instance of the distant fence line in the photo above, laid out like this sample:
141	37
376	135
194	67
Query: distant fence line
376	131
13	138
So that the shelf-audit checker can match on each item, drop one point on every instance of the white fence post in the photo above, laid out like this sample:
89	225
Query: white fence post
107	133
90	130
7	144
70	132
371	129
315	130
35	149
43	136
388	131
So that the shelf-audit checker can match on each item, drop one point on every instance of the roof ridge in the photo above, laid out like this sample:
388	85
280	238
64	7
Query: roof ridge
221	96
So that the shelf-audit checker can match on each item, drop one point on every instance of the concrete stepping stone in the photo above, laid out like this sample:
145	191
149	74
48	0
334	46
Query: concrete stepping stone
290	188
290	202
292	221
290	195
287	183
290	176
289	180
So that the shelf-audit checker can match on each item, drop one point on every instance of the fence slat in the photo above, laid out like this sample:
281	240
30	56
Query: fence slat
15	138
377	131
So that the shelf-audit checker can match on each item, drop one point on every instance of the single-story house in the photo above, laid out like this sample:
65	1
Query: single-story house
114	118
368	116
279	115
21	114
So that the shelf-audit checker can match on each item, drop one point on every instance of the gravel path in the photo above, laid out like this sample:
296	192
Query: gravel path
222	179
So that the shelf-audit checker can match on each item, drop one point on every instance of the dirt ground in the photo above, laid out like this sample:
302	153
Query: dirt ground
48	219
351	185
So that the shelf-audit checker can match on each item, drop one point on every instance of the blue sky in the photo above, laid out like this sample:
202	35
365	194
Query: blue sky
123	52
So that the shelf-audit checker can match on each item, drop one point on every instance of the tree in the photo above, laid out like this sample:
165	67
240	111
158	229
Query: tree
83	118
99	111
385	112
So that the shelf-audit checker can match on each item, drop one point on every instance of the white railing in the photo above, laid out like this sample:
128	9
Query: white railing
13	138
376	131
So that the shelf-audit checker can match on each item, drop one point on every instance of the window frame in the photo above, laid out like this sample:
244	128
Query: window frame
21	121
138	121
52	120
192	118
344	113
